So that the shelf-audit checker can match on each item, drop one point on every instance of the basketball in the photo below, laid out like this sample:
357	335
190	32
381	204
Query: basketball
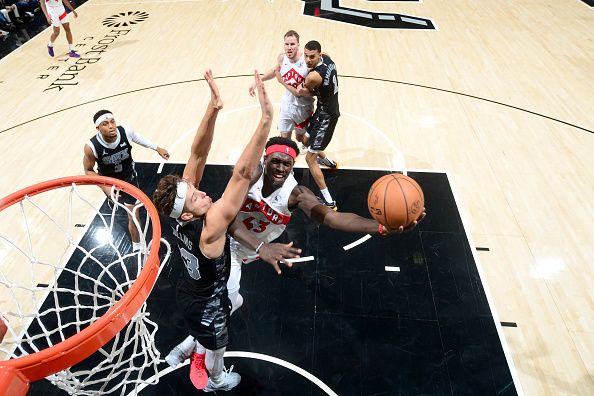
395	200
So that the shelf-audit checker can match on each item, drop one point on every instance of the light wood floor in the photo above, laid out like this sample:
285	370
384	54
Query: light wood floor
518	161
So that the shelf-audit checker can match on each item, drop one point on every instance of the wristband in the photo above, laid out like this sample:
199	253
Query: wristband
259	247
380	227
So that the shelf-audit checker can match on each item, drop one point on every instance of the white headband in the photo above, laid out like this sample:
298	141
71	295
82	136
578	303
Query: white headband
102	118
180	199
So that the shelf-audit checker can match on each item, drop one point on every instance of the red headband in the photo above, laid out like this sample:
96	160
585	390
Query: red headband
281	148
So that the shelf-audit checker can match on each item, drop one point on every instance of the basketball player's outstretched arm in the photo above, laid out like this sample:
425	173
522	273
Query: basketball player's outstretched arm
348	222
204	134
222	212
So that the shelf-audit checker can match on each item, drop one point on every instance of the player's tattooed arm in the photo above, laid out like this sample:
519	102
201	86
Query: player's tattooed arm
343	221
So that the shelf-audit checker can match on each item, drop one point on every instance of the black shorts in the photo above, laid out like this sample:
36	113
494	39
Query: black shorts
320	130
208	326
128	199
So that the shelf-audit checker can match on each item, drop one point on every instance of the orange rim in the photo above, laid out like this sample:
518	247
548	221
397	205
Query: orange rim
81	345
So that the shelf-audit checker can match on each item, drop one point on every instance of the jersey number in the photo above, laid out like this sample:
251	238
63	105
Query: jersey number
254	225
192	264
118	168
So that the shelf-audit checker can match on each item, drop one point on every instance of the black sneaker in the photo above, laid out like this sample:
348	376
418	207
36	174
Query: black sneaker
327	162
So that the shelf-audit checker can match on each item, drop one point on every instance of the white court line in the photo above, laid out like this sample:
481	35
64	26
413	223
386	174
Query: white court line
298	260
392	269
250	355
357	242
397	162
506	349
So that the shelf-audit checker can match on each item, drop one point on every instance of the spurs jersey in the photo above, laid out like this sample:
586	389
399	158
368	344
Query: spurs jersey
204	280
266	217
327	93
294	74
113	159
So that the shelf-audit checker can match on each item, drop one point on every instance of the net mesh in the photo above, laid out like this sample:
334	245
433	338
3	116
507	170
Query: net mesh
58	276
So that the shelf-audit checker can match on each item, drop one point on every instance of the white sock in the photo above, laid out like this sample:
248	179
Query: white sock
71	47
50	44
199	348
188	343
135	246
326	195
215	364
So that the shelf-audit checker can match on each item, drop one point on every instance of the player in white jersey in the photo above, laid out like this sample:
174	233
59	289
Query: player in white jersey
56	16
266	211
295	112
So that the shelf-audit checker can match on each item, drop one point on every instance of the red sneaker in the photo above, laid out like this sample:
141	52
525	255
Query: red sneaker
198	374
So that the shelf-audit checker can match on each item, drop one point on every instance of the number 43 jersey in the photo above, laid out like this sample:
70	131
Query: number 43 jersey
266	217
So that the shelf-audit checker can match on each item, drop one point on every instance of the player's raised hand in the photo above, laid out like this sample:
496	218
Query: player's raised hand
265	102
215	96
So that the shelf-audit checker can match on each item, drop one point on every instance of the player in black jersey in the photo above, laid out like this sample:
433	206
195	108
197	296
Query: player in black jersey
111	150
199	229
321	82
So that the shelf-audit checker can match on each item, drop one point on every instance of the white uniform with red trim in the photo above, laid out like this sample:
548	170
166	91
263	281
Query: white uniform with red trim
57	12
266	217
295	110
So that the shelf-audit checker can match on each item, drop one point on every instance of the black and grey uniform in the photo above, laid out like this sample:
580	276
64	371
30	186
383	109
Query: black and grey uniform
322	124
202	288
116	162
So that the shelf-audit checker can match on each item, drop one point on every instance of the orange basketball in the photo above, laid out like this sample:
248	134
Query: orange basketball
395	200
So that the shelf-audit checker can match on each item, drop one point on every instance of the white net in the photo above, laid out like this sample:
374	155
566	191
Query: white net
58	275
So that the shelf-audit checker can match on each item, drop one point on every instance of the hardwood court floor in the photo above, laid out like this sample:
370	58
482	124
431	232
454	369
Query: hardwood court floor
499	95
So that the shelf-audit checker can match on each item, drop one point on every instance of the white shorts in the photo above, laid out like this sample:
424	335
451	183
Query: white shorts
235	274
294	117
58	15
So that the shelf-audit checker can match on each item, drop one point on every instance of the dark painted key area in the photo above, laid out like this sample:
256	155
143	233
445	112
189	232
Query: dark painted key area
361	330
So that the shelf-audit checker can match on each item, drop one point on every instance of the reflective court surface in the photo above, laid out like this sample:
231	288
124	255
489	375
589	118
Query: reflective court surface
493	100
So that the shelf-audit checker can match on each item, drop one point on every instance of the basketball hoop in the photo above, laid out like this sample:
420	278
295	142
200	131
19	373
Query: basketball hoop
77	312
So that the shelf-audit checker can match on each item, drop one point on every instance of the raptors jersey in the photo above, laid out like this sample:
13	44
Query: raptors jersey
266	217
294	74
53	3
